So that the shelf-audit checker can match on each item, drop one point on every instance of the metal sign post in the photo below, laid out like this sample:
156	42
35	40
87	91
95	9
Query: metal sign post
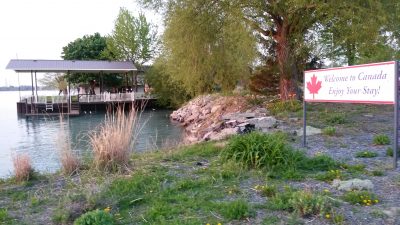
396	113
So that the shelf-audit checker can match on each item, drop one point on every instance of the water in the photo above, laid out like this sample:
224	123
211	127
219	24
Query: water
38	136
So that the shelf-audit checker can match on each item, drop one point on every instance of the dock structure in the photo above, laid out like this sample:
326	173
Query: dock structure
73	104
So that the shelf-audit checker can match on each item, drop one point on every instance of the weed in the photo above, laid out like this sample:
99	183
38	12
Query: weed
335	118
389	152
378	173
366	154
330	131
4	217
376	213
270	220
267	190
381	139
113	143
60	216
22	167
365	198
318	163
307	203
330	175
284	106
236	210
357	168
281	200
69	161
96	217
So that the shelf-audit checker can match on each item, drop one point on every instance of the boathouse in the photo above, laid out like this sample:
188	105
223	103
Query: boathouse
74	103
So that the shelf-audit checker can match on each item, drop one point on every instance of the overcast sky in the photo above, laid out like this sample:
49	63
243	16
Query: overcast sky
38	29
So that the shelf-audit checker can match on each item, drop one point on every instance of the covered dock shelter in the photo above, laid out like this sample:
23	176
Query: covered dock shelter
72	104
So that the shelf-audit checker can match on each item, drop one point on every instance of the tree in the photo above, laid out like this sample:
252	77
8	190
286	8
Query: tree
56	81
132	39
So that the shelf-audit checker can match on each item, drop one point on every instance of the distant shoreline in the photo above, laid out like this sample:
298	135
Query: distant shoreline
24	88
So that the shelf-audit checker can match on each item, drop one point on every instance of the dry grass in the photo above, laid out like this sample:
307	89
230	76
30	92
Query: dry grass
112	144
69	161
22	167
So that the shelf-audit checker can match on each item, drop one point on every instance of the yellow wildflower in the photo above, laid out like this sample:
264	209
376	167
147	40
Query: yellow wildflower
368	204
376	200
365	201
326	190
327	216
219	224
107	209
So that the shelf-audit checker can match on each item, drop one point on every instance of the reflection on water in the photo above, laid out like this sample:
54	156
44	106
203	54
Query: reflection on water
38	136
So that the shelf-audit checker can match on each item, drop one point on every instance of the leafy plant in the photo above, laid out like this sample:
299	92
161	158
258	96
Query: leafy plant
377	173
330	175
307	203
335	118
365	198
4	217
267	190
389	152
330	131
96	217
366	154
381	139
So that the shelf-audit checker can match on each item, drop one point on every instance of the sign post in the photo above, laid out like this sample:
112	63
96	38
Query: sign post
375	83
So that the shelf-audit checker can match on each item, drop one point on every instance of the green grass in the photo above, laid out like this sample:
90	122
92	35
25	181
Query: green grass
381	139
284	107
329	131
335	118
235	210
389	152
366	154
364	198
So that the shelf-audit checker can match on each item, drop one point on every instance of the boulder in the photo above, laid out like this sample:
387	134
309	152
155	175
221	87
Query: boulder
224	133
392	212
353	184
263	122
309	131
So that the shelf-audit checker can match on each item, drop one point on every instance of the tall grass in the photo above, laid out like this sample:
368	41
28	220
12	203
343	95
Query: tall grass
69	161
112	144
22	167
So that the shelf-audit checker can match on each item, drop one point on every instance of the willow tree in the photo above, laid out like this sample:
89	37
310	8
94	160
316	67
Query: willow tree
206	47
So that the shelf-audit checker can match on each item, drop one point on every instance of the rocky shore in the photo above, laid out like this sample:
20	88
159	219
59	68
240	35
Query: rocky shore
214	117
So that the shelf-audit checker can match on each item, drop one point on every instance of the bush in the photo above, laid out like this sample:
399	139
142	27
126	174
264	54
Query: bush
257	150
366	154
22	168
96	217
365	198
330	131
112	145
381	139
284	106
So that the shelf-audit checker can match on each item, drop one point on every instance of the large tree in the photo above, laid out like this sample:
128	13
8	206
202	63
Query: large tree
132	39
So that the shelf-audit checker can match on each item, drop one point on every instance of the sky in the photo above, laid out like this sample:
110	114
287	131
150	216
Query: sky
38	29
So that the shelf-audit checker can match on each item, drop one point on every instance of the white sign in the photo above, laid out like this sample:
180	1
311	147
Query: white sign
369	83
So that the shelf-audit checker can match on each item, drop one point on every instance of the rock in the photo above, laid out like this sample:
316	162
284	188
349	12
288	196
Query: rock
294	119
231	123
224	133
392	212
354	184
263	122
369	115
215	108
309	131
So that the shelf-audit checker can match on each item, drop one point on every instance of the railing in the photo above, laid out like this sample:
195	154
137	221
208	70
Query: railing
105	97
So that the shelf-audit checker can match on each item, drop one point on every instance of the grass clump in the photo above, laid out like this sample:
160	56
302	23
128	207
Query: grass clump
112	145
389	152
330	131
335	118
330	175
69	161
366	154
96	217
267	190
4	217
381	139
284	106
364	198
22	168
257	150
235	210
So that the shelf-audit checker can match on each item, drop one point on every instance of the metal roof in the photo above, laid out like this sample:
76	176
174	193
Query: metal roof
74	66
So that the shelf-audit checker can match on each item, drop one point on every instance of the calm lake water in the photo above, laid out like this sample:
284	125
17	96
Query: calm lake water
38	137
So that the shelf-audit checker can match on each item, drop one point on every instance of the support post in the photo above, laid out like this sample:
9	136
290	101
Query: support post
304	123
69	93
396	116
37	96
33	93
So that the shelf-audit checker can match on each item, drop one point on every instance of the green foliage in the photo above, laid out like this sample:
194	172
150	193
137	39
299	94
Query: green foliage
60	216
4	217
306	203
96	217
381	139
132	39
267	190
330	131
89	47
206	47
378	173
330	175
357	168
366	154
365	198
235	210
318	163
285	106
335	118
389	152
258	150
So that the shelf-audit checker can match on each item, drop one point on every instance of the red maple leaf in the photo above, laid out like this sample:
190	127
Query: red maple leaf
314	86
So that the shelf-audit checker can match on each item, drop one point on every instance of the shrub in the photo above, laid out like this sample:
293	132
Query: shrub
112	144
365	198
366	154
22	167
236	210
284	106
330	131
335	118
381	139
257	150
96	217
